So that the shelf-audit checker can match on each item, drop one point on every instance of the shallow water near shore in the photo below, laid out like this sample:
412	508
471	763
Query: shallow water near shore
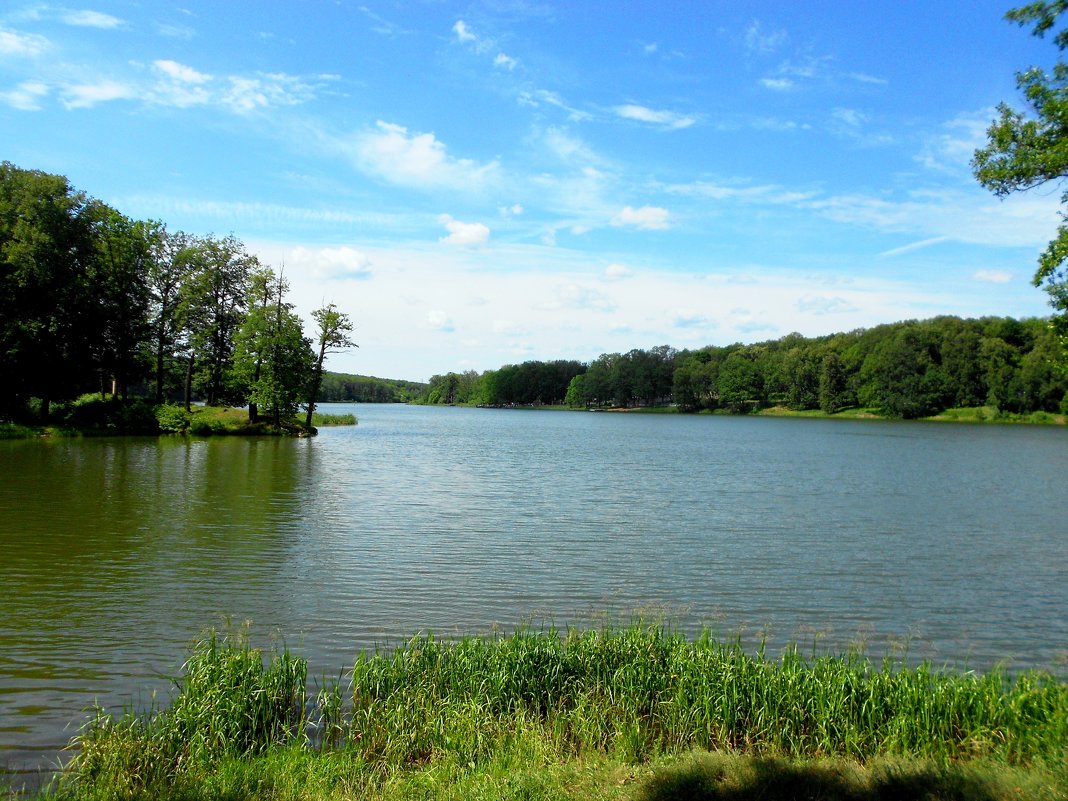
947	541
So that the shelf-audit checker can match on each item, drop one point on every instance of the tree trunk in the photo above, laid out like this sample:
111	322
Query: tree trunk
316	383
159	373
189	381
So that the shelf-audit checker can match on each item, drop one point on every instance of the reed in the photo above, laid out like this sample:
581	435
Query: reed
490	706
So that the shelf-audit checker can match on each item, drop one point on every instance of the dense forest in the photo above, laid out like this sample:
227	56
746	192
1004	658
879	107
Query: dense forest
93	301
346	388
908	369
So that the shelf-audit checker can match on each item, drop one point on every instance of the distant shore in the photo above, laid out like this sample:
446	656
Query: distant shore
972	414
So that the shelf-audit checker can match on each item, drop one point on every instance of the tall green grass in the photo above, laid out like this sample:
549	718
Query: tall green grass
631	695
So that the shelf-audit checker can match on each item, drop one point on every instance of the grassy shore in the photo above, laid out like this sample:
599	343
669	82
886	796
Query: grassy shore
93	416
638	712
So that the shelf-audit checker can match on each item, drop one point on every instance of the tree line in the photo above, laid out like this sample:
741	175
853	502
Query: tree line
91	300
907	370
347	388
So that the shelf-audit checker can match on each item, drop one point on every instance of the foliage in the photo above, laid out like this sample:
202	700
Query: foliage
343	387
172	418
332	335
1028	149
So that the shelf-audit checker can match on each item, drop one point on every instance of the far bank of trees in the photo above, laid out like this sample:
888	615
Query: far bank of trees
346	388
92	301
908	369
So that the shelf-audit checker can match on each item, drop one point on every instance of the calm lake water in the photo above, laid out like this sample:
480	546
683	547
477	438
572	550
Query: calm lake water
949	541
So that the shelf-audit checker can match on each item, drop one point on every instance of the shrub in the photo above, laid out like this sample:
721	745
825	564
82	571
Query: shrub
172	418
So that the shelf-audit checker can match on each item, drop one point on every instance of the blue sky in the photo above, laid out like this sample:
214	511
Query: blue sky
484	183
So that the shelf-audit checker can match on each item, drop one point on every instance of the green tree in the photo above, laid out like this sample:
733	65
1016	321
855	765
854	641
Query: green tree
48	321
168	263
1027	149
576	392
272	357
333	329
214	300
121	293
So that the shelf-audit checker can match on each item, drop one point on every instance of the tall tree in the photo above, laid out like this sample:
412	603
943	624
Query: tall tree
333	330
168	263
120	289
47	314
272	357
1029	149
215	297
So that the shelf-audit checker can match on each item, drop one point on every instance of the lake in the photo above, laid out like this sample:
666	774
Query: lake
932	541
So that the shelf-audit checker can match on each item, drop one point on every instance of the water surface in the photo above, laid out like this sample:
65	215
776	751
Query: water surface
945	540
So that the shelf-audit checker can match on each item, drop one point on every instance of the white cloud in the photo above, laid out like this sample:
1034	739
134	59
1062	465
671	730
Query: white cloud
849	117
668	119
505	62
175	31
464	234
340	263
266	90
91	19
15	43
777	84
88	95
992	276
539	97
26	96
462	33
511	211
645	218
180	85
439	321
616	272
861	77
180	72
417	160
649	48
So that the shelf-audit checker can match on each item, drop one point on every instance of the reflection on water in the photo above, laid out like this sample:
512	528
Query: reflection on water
115	554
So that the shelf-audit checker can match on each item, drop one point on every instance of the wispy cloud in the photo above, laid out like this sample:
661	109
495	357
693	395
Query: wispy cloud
777	84
617	272
543	97
26	96
923	243
666	119
16	43
644	218
91	19
761	41
482	45
87	95
992	276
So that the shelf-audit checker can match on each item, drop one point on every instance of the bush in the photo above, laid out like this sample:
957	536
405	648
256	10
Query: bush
172	418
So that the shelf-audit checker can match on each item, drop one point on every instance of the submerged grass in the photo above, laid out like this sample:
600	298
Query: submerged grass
580	714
